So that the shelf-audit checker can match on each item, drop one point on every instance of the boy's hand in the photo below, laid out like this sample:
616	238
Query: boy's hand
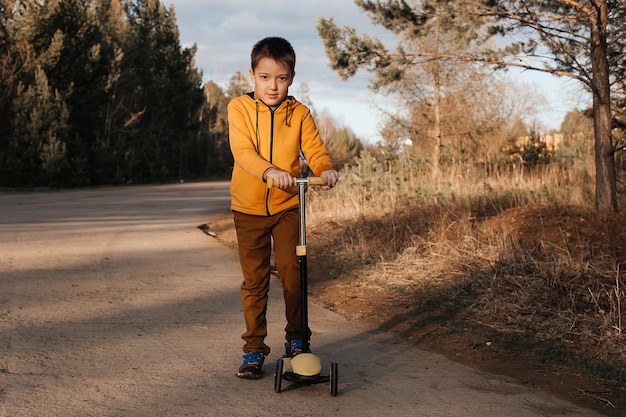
282	179
330	179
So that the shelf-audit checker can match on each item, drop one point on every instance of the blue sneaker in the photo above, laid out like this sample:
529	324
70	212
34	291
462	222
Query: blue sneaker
295	347
251	368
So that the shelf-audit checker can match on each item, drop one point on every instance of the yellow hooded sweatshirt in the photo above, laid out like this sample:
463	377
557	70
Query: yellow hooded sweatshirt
262	138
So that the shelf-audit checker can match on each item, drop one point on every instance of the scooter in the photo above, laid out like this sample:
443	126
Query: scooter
305	368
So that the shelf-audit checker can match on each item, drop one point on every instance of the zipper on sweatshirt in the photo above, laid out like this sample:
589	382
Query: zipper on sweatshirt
267	195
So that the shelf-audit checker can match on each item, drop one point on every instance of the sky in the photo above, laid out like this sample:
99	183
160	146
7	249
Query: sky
225	31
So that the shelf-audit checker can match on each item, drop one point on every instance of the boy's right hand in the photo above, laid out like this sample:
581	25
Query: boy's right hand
282	179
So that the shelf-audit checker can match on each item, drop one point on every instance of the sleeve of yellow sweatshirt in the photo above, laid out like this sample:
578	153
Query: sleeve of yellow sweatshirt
242	137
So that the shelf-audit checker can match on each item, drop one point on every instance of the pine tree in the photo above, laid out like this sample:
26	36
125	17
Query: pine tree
40	126
584	40
126	95
420	71
67	44
12	62
214	125
163	89
581	39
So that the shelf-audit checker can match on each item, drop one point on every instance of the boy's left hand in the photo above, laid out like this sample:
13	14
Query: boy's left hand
330	178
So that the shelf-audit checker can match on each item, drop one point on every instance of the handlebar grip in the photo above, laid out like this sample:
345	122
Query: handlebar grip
316	181
307	180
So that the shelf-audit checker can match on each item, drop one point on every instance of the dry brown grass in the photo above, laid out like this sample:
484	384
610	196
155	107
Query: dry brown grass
516	275
537	270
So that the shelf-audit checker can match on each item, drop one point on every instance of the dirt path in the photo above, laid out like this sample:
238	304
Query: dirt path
114	303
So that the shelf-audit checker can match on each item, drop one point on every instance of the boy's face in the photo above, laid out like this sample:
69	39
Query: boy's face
271	81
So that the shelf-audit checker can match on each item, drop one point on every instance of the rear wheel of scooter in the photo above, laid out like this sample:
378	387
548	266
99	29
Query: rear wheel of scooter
278	375
334	378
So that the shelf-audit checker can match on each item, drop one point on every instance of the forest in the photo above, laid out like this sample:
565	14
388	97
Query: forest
96	92
99	92
102	92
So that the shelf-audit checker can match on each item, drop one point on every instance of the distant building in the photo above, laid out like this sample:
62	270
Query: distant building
552	141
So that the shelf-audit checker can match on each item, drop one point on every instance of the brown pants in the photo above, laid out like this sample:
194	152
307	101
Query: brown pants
254	236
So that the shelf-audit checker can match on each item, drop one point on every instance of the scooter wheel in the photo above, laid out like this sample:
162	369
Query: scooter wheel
278	375
334	379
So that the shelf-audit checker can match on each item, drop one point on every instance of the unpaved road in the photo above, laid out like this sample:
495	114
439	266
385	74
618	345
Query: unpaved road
114	303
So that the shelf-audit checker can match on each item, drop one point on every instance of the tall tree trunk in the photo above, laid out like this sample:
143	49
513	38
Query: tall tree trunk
437	108
606	197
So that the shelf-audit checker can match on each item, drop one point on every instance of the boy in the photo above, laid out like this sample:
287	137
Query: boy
267	130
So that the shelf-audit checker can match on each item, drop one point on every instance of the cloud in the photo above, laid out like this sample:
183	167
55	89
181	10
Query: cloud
224	33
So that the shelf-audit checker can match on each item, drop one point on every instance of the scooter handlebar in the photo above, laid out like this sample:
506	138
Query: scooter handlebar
296	181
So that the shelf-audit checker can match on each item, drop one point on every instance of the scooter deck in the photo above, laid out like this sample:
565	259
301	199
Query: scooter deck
305	380
285	372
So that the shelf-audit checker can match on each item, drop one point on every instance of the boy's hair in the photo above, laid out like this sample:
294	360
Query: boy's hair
276	48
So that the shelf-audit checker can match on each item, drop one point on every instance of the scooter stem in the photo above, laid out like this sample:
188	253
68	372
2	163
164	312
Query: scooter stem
301	183
301	253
